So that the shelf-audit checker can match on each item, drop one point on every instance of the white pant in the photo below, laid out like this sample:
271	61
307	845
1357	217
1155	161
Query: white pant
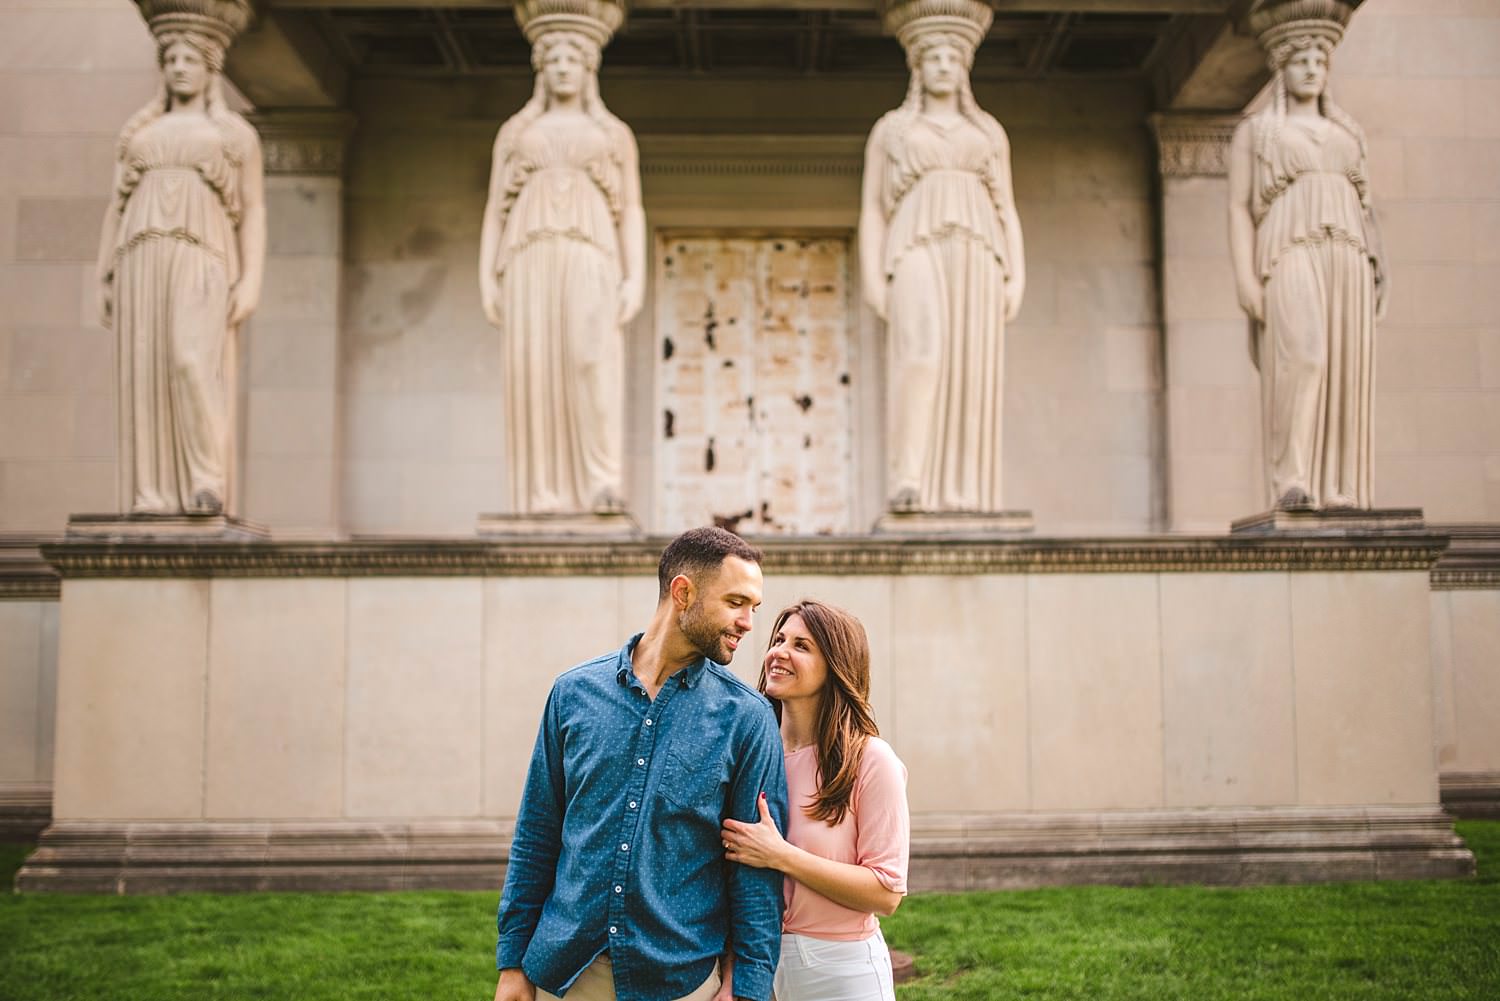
814	969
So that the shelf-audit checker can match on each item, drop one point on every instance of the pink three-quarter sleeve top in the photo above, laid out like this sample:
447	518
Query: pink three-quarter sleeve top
875	833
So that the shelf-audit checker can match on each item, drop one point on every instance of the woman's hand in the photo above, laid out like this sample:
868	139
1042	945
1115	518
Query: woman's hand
1015	288
107	302
1253	300
489	297
760	846
632	295
242	300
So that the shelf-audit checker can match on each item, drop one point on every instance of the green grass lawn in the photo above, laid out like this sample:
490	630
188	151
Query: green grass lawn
1423	941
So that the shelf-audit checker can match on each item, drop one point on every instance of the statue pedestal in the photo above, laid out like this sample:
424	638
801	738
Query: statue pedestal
165	527
990	523
587	524
1353	521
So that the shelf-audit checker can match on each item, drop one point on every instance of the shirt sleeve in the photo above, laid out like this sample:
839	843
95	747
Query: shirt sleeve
755	898
536	844
882	818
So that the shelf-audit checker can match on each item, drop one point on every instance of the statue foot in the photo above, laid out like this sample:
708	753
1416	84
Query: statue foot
906	500
607	501
207	502
1295	499
1340	504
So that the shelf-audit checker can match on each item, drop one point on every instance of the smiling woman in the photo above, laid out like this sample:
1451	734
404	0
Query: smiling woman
848	827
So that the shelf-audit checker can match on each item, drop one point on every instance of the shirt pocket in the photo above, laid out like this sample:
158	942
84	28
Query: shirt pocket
694	779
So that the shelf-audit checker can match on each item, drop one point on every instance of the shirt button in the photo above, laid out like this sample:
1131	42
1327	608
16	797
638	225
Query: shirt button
624	846
649	722
632	804
640	761
619	889
613	929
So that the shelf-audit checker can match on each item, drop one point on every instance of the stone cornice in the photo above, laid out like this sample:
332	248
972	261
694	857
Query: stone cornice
862	555
304	142
1472	561
24	575
1193	145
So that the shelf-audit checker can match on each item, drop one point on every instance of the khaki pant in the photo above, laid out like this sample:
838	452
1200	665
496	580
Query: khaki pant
597	983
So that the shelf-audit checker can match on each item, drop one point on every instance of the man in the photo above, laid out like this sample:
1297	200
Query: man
617	885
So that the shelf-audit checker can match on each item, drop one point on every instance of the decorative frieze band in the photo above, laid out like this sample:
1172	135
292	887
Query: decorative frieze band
24	575
1472	560
310	142
862	555
1193	145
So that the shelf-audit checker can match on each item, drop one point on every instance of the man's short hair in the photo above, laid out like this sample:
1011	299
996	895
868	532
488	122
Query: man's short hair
697	554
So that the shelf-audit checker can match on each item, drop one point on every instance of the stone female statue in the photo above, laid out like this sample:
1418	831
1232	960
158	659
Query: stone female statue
1307	268
180	264
941	255
562	269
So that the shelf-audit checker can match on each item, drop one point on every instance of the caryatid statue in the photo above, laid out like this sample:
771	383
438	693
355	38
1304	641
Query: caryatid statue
562	266
942	264
1307	264
180	263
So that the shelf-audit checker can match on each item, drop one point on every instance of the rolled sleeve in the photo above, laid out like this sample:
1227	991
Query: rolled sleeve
755	895
535	845
883	844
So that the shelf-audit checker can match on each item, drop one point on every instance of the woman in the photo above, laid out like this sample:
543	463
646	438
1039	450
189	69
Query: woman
562	269
848	828
180	262
1307	270
940	249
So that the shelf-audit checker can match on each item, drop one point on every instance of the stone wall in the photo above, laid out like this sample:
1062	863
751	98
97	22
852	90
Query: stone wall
1423	79
70	75
422	406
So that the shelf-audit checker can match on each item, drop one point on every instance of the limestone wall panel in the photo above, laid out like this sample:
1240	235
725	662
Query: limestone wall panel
131	651
412	731
1227	694
1361	650
276	699
1094	676
962	713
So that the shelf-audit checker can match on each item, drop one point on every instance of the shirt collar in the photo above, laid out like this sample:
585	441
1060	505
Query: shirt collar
625	671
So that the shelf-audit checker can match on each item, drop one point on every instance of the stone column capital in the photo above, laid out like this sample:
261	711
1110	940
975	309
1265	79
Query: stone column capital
296	141
1193	144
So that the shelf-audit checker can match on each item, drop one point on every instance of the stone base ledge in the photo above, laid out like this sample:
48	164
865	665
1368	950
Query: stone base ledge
949	852
1471	795
1220	847
618	525
1341	523
25	810
164	527
290	856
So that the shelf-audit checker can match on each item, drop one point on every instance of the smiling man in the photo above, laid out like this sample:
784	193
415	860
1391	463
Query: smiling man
617	885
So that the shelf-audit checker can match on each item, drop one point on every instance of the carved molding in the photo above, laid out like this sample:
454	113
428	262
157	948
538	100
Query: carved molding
1193	145
24	574
948	852
313	142
1472	561
839	556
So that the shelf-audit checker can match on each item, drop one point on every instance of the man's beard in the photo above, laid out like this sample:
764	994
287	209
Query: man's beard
705	637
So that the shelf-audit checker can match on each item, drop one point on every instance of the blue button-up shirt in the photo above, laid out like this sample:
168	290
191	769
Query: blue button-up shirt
617	844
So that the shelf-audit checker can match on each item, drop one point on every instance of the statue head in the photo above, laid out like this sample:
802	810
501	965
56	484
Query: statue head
564	62
922	26
1287	28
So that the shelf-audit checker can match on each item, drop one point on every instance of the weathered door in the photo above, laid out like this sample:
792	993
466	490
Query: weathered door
753	384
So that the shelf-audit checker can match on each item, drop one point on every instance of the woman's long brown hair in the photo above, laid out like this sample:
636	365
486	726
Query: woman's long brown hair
844	720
